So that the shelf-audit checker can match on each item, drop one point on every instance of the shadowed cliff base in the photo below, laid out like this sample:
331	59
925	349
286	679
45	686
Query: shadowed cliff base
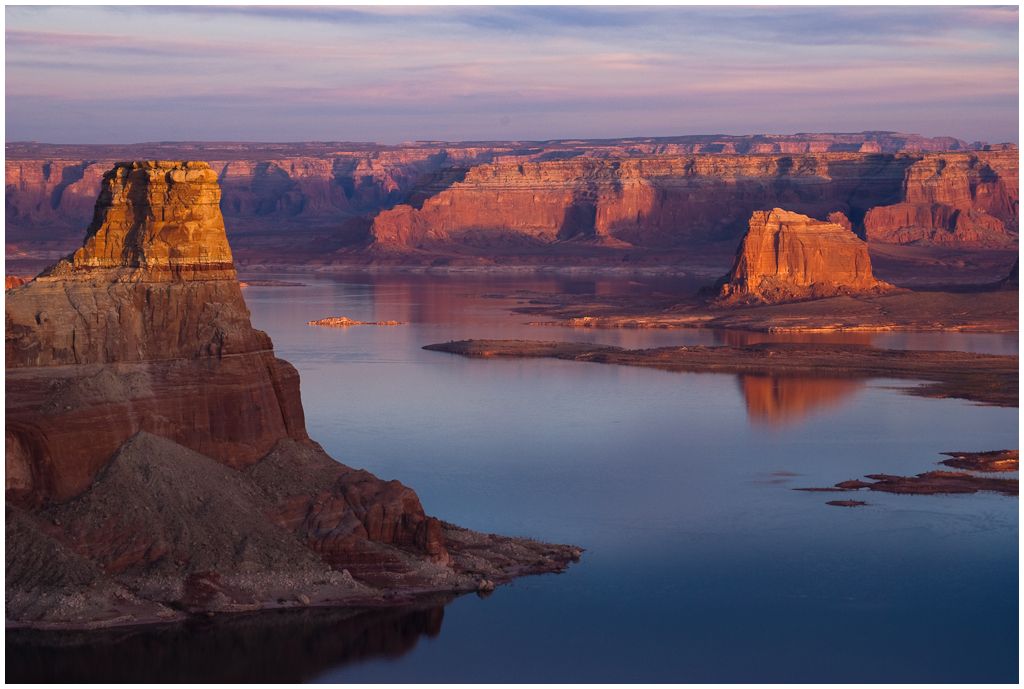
985	378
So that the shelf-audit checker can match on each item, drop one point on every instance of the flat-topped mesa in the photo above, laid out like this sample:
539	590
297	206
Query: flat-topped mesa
786	256
159	219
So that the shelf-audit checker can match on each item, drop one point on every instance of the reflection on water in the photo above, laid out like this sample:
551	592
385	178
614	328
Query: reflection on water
743	338
292	646
781	401
678	486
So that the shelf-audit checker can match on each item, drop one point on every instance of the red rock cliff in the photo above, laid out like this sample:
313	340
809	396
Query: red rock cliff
953	198
156	453
300	202
648	202
150	296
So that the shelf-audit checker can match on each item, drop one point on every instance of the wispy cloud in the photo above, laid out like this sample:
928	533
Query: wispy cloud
396	73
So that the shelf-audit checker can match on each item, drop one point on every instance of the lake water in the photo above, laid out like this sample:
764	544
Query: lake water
701	564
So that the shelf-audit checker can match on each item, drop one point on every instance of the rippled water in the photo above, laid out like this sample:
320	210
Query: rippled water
701	563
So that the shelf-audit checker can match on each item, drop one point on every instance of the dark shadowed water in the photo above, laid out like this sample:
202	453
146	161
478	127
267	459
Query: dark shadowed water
701	565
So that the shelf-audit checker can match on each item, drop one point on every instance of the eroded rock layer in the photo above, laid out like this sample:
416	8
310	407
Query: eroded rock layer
787	256
326	202
156	453
652	202
953	198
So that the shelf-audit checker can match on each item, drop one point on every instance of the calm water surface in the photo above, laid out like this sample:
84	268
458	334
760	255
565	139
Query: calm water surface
701	563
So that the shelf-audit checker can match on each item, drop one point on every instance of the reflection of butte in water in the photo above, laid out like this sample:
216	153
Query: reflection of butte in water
781	401
279	646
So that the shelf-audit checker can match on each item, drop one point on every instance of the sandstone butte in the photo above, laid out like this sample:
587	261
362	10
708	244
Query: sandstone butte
157	461
786	256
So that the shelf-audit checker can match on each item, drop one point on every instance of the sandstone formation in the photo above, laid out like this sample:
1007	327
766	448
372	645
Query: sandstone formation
156	453
786	256
324	202
953	198
647	202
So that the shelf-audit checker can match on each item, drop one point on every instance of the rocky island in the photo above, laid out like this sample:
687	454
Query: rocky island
943	481
345	321
157	461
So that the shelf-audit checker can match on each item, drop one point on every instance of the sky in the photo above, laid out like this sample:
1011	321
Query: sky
391	74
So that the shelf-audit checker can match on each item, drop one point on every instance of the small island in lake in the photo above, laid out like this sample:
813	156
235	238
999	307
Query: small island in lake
344	322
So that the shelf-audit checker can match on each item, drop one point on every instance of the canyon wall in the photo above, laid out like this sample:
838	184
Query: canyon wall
651	202
61	192
953	198
306	202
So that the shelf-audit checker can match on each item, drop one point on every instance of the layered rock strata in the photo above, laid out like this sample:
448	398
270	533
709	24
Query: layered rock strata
157	459
678	200
953	198
787	256
650	202
305	201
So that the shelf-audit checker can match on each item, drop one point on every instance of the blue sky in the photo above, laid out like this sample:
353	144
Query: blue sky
390	74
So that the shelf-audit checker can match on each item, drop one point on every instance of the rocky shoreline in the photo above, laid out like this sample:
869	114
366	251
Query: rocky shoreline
939	482
993	311
986	378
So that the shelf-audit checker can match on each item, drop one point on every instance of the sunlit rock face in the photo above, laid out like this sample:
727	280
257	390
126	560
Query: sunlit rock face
160	217
787	256
142	329
953	198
